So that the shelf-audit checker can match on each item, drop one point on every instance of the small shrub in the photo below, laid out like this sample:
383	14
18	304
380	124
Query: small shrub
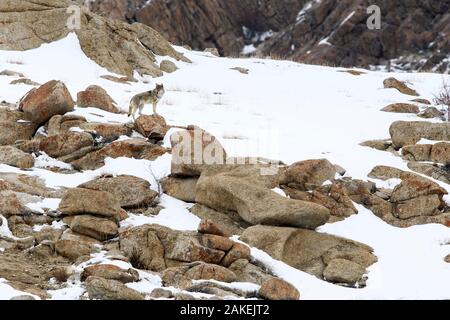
443	99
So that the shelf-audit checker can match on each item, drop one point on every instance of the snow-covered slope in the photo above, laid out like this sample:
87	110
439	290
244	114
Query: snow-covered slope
280	110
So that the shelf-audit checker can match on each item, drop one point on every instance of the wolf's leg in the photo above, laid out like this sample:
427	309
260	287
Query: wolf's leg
141	107
155	104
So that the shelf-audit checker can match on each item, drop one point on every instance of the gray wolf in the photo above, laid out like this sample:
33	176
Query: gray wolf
147	97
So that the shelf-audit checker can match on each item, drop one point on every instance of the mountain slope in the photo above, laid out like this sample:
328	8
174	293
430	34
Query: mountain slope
414	34
279	110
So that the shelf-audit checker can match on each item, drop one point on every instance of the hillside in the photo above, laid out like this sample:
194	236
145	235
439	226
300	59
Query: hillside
414	35
342	194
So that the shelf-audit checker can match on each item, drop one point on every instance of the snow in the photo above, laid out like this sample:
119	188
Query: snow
7	292
280	110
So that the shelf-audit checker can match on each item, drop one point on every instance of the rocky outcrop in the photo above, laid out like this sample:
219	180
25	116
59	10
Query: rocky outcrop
416	200
316	253
111	44
336	33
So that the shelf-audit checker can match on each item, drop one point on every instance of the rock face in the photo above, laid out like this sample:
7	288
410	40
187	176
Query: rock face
96	97
241	190
129	191
313	252
296	33
22	29
206	24
50	99
351	43
15	157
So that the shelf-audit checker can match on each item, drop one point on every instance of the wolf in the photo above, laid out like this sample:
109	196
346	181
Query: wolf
147	97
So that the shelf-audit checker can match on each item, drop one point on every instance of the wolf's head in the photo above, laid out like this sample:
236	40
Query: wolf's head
159	87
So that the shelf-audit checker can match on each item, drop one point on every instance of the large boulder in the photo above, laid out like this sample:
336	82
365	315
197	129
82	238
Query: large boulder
277	289
84	201
62	123
107	289
304	174
98	228
72	249
310	251
110	272
180	188
401	108
96	97
10	205
129	191
195	150
131	148
14	127
408	133
241	190
182	276
392	83
15	157
59	145
50	99
151	127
